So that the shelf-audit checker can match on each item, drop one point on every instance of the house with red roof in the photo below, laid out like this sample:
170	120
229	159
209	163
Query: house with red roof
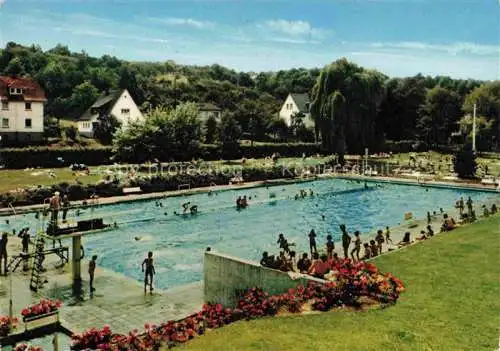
21	111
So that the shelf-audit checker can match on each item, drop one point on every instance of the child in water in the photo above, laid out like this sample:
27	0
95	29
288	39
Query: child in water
149	272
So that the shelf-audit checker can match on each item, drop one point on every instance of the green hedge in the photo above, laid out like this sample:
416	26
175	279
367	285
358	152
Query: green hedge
49	157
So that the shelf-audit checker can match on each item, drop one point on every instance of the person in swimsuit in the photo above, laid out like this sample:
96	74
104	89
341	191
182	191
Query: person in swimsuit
388	235
330	246
92	265
346	240
379	238
3	253
368	253
312	242
357	245
149	272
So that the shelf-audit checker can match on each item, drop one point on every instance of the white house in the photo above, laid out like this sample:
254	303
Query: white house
207	110
296	103
113	103
21	111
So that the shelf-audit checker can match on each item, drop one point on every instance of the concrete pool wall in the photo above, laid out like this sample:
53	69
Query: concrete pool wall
225	275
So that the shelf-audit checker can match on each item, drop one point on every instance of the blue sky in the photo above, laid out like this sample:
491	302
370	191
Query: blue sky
459	38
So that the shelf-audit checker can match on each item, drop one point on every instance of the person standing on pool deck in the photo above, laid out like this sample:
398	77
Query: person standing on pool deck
150	271
3	253
92	265
469	206
346	240
312	242
330	246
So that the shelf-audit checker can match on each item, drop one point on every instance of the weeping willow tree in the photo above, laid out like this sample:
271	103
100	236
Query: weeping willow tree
345	104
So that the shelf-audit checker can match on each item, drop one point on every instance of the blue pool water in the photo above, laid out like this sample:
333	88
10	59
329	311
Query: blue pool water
178	242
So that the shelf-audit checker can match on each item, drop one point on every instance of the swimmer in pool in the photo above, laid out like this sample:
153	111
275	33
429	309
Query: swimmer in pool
137	238
185	206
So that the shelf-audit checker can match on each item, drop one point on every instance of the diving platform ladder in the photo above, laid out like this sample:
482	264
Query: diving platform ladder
36	281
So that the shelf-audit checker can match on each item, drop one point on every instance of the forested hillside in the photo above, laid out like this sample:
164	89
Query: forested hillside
391	108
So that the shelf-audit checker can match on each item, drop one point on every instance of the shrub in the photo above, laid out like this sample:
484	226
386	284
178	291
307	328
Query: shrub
464	162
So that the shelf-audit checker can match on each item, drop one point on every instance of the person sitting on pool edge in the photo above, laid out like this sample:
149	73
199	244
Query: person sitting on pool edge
423	236
374	248
448	223
406	240
367	253
319	266
304	263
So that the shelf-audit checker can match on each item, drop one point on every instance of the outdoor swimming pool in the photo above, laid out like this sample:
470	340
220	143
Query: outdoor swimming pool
178	242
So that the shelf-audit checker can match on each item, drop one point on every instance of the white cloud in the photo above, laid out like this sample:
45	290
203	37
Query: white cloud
453	48
293	28
2	2
186	22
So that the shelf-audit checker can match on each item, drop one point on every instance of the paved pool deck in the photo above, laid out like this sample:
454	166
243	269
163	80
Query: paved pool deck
120	301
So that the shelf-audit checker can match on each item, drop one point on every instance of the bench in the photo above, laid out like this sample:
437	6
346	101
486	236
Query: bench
236	180
132	190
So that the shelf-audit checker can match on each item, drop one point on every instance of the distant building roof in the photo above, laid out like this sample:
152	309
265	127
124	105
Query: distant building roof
206	106
102	106
31	89
302	101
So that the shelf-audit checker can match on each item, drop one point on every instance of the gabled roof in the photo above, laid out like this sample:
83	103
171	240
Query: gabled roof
301	100
104	104
31	89
206	106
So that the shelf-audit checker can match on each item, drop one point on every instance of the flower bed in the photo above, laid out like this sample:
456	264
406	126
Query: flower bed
44	307
4	325
350	284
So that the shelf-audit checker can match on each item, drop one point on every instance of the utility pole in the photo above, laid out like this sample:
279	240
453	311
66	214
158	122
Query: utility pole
474	129
175	90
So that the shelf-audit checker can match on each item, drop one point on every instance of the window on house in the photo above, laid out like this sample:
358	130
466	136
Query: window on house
125	111
5	105
27	123
27	105
5	123
16	91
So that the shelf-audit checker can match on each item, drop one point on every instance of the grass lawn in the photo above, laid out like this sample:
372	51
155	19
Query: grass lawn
11	179
493	164
452	303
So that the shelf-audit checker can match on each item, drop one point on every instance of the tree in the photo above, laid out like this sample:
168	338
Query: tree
105	128
487	100
345	102
210	130
229	134
71	133
164	134
83	96
464	162
485	133
439	116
